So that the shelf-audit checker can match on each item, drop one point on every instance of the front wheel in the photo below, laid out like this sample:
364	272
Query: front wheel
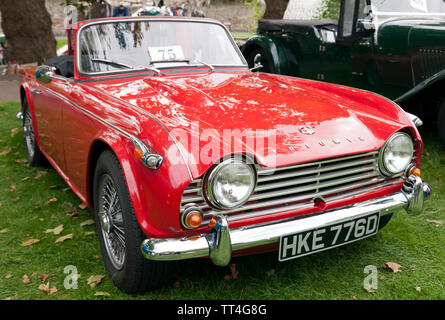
119	233
33	154
263	60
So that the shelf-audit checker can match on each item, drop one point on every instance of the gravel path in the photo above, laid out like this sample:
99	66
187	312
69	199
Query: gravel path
9	89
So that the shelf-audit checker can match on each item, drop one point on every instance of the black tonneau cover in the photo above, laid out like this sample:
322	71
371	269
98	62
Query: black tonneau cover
291	26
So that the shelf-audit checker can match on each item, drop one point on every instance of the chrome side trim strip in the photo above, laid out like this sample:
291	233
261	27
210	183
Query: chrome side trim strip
128	135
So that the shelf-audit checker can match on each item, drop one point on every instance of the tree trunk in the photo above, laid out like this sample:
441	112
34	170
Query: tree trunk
275	9
27	27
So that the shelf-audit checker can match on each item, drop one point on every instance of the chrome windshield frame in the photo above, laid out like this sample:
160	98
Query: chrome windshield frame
167	19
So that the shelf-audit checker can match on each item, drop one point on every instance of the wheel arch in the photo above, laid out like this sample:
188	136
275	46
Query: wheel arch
275	52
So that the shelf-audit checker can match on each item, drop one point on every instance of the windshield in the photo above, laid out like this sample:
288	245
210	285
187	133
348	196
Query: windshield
116	46
409	6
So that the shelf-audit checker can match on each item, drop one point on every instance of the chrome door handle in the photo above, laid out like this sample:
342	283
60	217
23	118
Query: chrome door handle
35	91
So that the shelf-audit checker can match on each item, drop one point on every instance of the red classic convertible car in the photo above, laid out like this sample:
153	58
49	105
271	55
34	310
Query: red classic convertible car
183	152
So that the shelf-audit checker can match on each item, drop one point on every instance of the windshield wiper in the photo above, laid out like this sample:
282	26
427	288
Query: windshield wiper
112	63
189	61
211	68
126	66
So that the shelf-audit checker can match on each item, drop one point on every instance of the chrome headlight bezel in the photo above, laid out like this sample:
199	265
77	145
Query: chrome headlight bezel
384	168
209	180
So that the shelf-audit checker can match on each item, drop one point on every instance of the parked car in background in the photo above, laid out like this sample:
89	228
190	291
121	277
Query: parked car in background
394	48
182	152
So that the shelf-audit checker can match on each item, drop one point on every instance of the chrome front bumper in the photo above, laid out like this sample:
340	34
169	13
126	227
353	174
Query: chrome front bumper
219	243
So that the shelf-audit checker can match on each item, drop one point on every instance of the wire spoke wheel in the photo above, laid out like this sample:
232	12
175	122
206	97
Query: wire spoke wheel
112	223
28	130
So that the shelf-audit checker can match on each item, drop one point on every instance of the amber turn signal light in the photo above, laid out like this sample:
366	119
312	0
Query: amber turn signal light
138	154
192	219
212	223
415	171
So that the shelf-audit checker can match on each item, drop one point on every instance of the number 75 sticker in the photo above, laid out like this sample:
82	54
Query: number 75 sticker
166	53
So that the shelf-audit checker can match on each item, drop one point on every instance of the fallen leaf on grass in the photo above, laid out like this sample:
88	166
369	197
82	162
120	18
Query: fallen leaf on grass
83	206
369	290
44	277
12	188
8	276
87	222
176	283
64	238
418	289
95	280
53	217
270	273
102	294
395	267
15	198
30	242
73	214
51	200
96	256
42	219
14	131
4	230
234	273
57	230
40	174
34	274
89	233
437	222
382	277
26	279
6	151
45	288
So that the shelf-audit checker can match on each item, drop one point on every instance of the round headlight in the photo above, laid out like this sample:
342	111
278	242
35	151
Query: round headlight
397	154
230	184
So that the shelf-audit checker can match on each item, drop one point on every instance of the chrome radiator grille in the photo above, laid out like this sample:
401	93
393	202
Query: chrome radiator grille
296	187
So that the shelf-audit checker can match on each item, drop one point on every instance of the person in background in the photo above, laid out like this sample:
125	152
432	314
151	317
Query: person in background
101	9
121	11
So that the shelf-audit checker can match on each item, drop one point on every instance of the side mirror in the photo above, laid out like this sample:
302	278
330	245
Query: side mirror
45	74
257	65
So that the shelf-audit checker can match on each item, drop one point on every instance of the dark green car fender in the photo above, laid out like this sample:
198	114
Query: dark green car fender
428	83
273	48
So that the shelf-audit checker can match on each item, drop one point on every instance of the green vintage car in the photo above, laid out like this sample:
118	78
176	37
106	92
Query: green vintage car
392	47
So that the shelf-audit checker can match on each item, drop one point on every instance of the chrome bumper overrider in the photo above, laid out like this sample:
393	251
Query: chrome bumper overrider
219	243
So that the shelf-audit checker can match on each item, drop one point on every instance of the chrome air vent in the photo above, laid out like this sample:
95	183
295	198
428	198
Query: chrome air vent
296	187
431	61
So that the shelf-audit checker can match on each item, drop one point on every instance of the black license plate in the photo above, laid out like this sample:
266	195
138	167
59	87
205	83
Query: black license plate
331	236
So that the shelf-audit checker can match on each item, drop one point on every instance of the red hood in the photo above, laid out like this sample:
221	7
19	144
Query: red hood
345	120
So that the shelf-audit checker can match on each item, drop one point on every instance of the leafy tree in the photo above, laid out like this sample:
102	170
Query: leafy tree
330	9
28	29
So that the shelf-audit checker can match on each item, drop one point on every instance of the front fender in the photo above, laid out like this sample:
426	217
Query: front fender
155	194
274	49
421	87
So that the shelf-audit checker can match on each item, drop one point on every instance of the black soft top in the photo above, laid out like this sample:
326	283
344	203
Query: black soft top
64	65
291	26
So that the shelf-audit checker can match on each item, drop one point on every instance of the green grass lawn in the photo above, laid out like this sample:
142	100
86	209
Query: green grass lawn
26	212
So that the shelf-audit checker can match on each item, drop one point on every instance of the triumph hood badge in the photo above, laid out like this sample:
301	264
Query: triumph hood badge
306	130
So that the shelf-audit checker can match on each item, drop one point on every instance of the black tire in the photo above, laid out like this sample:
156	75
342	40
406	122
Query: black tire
264	62
33	154
441	123
134	273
